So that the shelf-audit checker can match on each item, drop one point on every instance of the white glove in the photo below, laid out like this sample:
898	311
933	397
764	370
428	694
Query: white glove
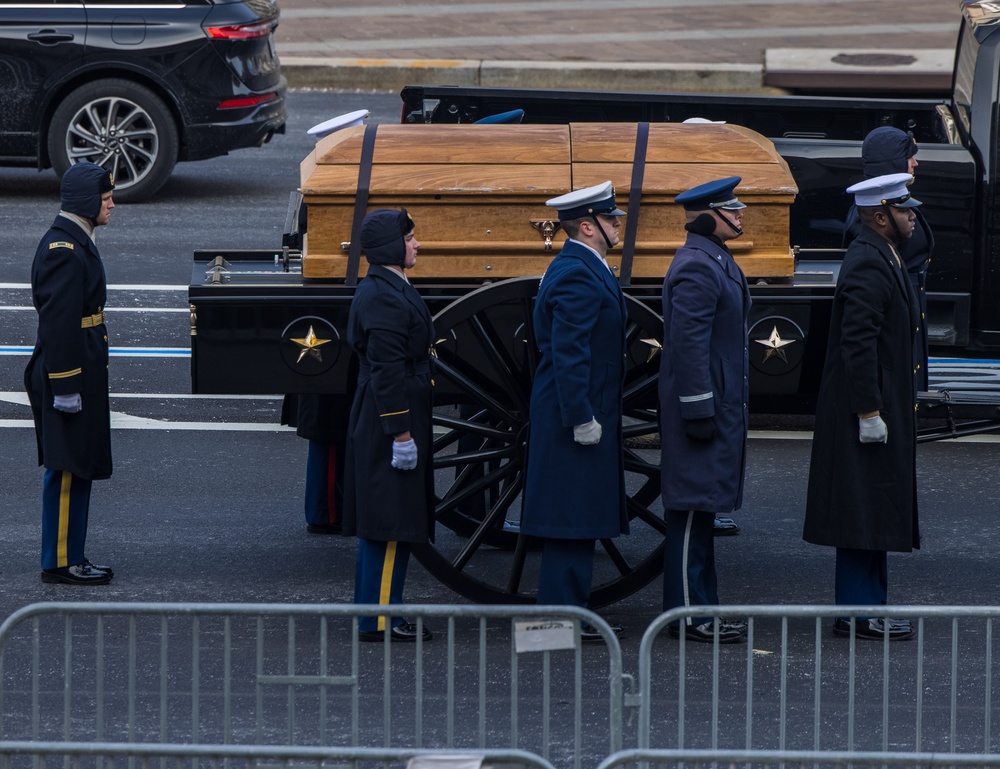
68	403
404	454
588	434
872	430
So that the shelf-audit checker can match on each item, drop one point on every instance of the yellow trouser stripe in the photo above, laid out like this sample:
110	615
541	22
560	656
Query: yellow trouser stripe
387	568
61	542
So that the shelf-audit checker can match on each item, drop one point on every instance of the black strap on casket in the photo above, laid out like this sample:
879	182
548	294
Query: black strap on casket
634	196
360	203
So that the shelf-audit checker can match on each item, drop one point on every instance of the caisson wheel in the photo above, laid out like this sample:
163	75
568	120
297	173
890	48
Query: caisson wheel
121	126
486	362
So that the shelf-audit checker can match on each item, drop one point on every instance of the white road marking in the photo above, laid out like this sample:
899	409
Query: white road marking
115	352
108	310
112	287
122	421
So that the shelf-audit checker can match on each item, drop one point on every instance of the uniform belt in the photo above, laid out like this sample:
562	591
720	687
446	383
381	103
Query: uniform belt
89	321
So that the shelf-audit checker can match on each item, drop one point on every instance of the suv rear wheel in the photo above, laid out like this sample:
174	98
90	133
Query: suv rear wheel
121	126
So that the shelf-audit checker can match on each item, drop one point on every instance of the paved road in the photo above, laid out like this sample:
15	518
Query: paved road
644	45
211	512
689	31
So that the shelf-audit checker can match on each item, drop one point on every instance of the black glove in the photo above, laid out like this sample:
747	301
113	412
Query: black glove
702	430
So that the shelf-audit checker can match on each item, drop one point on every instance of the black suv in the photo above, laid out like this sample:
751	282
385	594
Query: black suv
136	85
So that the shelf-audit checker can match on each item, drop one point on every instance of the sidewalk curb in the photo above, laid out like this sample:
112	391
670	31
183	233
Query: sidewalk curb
393	74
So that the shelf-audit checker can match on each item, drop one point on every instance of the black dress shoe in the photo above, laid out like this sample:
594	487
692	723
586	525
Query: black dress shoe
324	528
729	632
874	629
80	574
99	567
590	634
405	633
725	527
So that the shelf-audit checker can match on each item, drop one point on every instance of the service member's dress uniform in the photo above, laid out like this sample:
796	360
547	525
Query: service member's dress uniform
391	332
704	375
862	495
322	420
887	150
575	494
69	291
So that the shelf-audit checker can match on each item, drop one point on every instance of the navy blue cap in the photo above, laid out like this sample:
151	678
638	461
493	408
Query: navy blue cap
383	235
514	116
599	199
81	188
887	150
716	194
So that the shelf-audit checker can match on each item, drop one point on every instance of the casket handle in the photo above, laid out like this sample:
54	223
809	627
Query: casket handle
547	229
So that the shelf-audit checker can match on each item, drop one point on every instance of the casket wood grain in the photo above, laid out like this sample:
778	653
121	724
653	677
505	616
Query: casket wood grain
474	191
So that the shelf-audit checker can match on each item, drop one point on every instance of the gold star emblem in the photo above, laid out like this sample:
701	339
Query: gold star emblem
310	346
654	348
774	345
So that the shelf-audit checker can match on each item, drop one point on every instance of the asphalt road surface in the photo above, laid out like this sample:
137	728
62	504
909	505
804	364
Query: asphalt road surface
205	502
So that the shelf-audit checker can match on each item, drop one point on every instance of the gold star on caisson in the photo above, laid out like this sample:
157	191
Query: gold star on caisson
774	345
310	346
654	348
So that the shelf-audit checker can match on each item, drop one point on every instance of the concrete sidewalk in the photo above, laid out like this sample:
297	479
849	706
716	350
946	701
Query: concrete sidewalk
657	45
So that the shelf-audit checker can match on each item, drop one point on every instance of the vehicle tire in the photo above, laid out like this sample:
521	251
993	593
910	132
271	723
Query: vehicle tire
122	126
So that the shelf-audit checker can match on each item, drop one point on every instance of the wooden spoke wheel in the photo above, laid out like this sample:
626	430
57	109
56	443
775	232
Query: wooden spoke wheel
486	362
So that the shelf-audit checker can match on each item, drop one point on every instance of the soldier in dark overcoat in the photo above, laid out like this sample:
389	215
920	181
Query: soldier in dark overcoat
67	374
887	150
321	418
575	487
862	479
703	391
389	491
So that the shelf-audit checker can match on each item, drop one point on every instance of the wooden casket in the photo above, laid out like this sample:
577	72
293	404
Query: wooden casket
477	193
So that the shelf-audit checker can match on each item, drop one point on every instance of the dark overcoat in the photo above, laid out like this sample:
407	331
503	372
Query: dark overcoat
67	285
704	372
318	417
916	253
391	331
863	495
574	491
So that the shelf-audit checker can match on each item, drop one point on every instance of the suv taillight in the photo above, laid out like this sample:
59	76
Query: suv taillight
240	31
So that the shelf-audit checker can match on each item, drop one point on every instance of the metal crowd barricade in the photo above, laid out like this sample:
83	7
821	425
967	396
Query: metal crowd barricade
83	755
296	675
790	759
795	687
